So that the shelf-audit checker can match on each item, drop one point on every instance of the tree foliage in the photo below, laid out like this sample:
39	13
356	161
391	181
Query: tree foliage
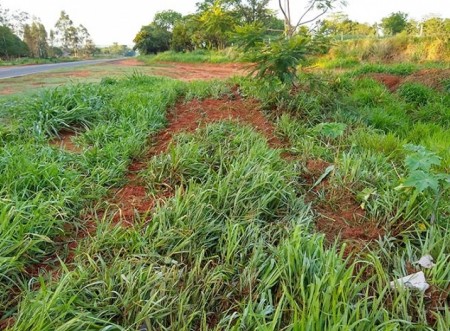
394	23
35	36
152	39
10	45
217	22
73	39
339	24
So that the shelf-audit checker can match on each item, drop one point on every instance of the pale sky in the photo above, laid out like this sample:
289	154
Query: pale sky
119	21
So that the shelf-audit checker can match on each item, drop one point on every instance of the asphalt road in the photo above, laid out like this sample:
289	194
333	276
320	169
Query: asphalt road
17	71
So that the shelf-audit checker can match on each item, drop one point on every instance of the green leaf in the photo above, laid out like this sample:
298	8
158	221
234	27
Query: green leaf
421	181
422	162
331	130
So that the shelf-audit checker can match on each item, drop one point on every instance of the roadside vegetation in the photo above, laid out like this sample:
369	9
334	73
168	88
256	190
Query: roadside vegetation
287	199
248	234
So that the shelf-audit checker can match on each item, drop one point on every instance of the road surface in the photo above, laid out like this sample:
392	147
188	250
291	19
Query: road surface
17	71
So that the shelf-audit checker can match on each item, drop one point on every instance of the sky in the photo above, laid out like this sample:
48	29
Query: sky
111	21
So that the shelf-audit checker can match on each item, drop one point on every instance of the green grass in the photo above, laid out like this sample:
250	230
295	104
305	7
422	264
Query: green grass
26	60
235	246
197	56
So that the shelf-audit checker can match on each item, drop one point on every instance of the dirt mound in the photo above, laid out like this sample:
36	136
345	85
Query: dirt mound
433	78
392	82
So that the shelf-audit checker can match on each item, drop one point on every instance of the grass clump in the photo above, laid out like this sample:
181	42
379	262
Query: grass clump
416	94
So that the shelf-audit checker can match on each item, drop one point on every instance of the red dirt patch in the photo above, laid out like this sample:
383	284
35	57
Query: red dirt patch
7	90
188	71
132	62
65	141
392	82
433	78
197	113
201	71
339	215
346	220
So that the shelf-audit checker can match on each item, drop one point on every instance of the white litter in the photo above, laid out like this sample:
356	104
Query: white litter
426	262
416	280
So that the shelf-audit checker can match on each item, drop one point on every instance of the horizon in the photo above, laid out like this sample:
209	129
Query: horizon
120	24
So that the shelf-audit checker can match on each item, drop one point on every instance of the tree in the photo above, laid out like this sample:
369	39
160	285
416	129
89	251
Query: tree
394	23
15	20
10	45
183	33
67	33
313	11
436	27
152	39
85	42
157	36
217	23
167	19
338	24
244	11
35	36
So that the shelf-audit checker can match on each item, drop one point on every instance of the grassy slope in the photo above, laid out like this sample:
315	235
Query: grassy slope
235	247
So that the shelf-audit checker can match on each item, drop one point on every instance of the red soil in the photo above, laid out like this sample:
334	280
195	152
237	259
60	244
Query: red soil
189	71
197	113
65	141
339	215
200	71
433	78
132	62
392	82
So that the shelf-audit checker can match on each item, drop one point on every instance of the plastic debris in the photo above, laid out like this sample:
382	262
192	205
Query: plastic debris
426	262
416	281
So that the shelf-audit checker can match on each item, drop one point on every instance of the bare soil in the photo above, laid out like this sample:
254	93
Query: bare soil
65	141
392	82
189	71
200	71
433	78
339	215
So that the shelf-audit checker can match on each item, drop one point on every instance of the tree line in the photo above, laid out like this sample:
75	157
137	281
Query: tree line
22	35
216	23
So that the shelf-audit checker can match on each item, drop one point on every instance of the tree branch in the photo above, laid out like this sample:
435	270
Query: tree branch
306	12
315	18
286	18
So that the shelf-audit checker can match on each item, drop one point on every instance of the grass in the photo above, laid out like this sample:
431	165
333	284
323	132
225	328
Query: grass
26	60
197	56
234	247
